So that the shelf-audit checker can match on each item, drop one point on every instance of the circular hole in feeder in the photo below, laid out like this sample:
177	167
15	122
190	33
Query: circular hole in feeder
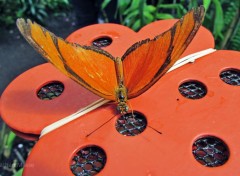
131	124
50	90
88	161
193	89
102	42
210	151
231	76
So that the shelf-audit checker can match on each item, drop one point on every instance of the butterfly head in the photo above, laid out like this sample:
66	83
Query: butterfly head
121	95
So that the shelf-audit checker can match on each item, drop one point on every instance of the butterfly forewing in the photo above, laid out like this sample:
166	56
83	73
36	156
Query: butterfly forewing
41	41
93	67
90	67
141	65
185	30
145	62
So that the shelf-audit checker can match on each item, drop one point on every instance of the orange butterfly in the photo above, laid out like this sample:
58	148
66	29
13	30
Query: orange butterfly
120	78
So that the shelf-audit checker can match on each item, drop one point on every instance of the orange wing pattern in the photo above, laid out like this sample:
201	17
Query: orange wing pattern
146	61
97	70
91	67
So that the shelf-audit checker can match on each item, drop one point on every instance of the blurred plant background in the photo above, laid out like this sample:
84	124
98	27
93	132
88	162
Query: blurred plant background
222	16
222	19
13	152
13	149
34	9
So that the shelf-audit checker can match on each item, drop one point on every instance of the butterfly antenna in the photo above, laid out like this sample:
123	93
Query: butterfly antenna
100	126
159	132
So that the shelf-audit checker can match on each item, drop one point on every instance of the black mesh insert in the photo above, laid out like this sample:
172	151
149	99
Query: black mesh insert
231	76
131	124
210	151
88	161
192	90
50	91
102	42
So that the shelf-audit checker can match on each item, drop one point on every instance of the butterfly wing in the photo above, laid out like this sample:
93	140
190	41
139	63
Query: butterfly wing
146	61
91	67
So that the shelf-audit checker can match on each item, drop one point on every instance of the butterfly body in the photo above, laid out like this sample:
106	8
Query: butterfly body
122	78
121	95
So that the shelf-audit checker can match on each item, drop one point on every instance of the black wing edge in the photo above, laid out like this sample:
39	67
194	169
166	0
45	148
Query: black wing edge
198	16
25	29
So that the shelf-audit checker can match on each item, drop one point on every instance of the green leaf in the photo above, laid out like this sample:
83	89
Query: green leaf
8	143
206	4
40	6
136	25
164	16
43	12
10	139
192	4
219	20
33	10
39	17
66	2
170	6
179	7
129	22
133	14
123	4
19	172
121	7
19	13
30	2
148	16
150	8
142	4
134	6
105	3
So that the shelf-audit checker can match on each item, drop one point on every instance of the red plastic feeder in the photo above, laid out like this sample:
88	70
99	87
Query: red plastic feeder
26	104
186	123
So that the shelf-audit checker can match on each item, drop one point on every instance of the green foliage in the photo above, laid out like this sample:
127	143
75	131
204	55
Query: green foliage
222	17
35	9
234	41
6	141
19	172
12	155
231	28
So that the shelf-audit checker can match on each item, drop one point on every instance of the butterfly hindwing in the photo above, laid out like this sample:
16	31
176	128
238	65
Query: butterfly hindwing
147	61
91	67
